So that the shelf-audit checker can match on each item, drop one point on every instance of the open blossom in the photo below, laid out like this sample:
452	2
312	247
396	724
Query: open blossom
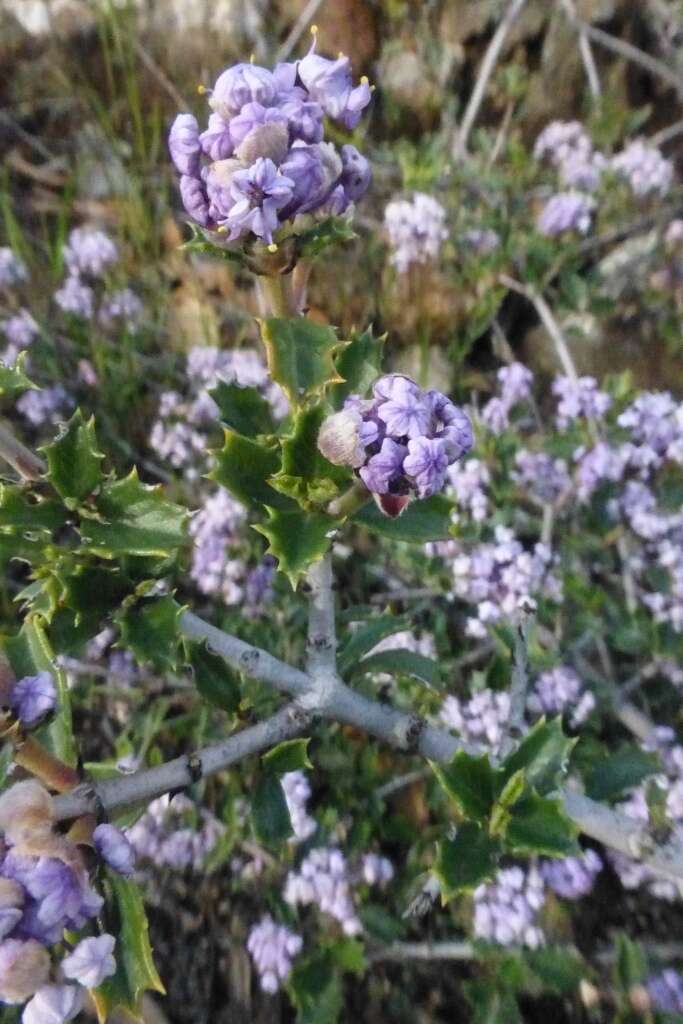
263	160
416	228
114	848
566	211
89	252
33	697
91	961
272	947
53	1004
644	168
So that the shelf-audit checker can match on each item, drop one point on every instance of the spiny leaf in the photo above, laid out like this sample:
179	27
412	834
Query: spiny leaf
615	773
13	380
215	681
301	356
367	637
421	522
539	825
401	662
149	628
269	812
244	467
297	539
136	520
20	511
74	461
288	756
543	754
471	782
306	475
359	364
244	410
465	862
330	231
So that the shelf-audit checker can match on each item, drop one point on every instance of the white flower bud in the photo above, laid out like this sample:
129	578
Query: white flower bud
269	140
25	809
339	439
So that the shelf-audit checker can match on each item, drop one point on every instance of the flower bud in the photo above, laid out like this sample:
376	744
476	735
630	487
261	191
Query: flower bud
24	967
91	961
270	140
114	848
53	1004
339	439
25	809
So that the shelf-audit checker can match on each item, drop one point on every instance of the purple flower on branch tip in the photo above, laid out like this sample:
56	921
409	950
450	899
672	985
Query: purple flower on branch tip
259	192
426	464
91	961
329	84
183	144
53	1004
115	848
385	467
403	410
33	697
305	118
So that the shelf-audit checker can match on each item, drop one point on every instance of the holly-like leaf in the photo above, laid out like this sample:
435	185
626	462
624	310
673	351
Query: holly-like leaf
288	756
306	475
74	461
244	468
359	364
297	539
465	862
367	637
422	521
13	380
90	591
543	755
617	772
136	520
29	652
244	410
300	356
401	662
269	812
471	782
539	825
215	681
331	231
135	970
21	511
149	627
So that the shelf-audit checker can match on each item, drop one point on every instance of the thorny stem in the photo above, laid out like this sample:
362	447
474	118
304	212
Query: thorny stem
20	458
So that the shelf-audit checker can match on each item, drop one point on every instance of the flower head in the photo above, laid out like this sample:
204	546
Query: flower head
91	961
33	697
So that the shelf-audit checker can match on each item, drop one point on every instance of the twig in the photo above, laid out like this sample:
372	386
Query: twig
20	458
402	951
158	73
665	135
143	786
637	56
298	28
396	785
405	594
585	49
322	643
486	70
548	320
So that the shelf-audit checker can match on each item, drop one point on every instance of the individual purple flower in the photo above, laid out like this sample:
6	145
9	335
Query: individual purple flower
75	297
402	407
272	947
33	697
239	85
305	119
217	141
63	894
329	83
384	468
53	1004
91	961
425	465
114	848
183	144
566	211
311	182
356	173
12	269
258	193
20	329
253	118
89	251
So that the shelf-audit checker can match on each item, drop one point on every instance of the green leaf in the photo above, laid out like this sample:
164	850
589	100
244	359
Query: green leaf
74	461
138	520
331	231
543	754
359	364
269	813
29	652
617	772
471	782
21	511
465	862
91	591
300	356
402	662
421	522
631	964
539	825
244	410
244	467
315	990
149	627
349	955
297	539
13	380
367	637
559	970
135	970
288	756
306	475
216	682
491	1005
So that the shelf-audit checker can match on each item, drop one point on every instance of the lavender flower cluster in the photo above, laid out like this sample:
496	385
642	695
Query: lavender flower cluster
506	910
579	398
666	991
263	161
572	878
45	889
20	331
515	387
540	475
272	947
89	255
297	790
482	720
174	833
400	442
33	697
560	691
416	229
13	270
50	405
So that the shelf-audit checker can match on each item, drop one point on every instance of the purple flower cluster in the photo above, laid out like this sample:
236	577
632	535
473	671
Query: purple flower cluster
49	405
467	486
401	441
499	578
89	252
272	947
33	697
482	720
566	211
166	834
88	255
122	306
217	532
540	475
580	397
568	147
416	229
482	241
572	878
20	329
44	890
12	269
262	160
666	991
644	168
297	790
558	691
506	910
515	383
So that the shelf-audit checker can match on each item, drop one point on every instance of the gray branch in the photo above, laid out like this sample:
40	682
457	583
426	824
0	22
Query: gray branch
322	641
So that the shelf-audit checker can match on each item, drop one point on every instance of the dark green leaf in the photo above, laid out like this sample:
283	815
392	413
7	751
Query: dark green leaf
215	680
401	662
331	231
288	756
492	1005
244	410
367	637
359	364
297	539
13	380
543	754
243	467
74	461
149	627
21	511
631	964
135	970
269	813
300	356
471	782
539	825
465	862
349	955
616	773
315	990
306	475
421	522
559	970
138	520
